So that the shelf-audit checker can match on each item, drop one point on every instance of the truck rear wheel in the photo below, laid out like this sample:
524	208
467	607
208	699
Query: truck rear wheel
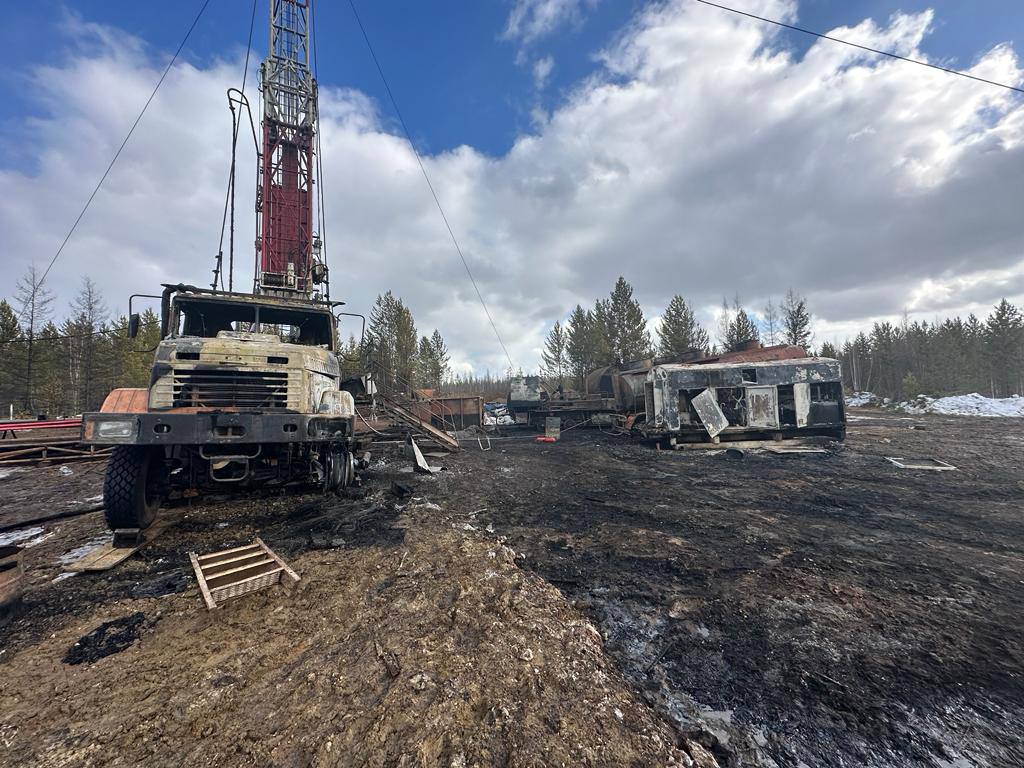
132	487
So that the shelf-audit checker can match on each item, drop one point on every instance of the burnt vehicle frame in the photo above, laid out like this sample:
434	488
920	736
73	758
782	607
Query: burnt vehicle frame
230	402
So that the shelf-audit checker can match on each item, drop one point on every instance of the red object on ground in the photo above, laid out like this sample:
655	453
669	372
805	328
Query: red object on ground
545	439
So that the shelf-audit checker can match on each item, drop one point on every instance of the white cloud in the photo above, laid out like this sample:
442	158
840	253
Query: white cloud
530	20
703	159
542	71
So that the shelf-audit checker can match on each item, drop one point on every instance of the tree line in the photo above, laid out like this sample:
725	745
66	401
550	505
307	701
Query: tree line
62	368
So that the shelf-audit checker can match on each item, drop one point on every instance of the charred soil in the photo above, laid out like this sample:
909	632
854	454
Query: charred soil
589	602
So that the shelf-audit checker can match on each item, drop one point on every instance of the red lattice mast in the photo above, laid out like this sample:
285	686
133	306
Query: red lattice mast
288	248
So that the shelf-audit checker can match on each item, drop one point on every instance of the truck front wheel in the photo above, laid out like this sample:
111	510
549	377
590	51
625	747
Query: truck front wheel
133	487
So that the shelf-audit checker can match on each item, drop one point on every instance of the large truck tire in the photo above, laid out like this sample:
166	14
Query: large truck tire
132	487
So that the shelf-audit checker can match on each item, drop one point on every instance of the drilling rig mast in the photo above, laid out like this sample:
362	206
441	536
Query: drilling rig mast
288	250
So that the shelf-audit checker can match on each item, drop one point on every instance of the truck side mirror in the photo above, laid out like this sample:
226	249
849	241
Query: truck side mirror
133	325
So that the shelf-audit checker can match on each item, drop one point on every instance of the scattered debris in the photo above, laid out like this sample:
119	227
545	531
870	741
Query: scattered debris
933	464
235	572
796	449
12	574
108	638
400	489
65	471
420	464
734	453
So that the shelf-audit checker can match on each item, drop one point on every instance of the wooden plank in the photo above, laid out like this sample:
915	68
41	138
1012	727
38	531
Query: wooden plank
207	597
106	556
240	574
215	557
212	568
287	569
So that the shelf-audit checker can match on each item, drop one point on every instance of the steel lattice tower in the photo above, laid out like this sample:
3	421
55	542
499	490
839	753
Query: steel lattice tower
288	249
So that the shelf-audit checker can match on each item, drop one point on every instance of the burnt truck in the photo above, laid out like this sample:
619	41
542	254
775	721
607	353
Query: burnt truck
244	391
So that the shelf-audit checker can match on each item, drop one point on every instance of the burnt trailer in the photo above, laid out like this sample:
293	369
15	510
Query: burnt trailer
774	399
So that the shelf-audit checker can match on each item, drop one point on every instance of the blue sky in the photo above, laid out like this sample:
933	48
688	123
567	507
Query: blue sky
572	141
453	71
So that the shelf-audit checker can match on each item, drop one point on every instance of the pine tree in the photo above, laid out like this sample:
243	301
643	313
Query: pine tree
741	330
392	343
796	320
602	334
828	350
554	355
579	351
441	358
1004	349
680	332
628	336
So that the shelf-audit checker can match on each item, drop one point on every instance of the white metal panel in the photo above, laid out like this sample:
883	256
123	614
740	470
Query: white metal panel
802	400
710	414
762	407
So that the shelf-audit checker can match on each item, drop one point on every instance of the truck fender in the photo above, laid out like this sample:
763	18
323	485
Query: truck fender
337	403
126	400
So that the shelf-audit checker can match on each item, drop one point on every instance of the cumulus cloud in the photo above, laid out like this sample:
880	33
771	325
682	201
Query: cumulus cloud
704	158
530	20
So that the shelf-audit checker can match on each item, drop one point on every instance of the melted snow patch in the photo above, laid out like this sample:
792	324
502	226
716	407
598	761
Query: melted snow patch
13	537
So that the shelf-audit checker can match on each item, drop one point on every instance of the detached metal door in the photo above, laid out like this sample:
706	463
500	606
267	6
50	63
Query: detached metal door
762	407
710	414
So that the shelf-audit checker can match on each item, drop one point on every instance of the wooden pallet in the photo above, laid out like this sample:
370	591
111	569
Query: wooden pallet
124	543
239	571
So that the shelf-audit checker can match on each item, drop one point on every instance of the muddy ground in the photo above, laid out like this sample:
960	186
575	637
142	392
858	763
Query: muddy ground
592	602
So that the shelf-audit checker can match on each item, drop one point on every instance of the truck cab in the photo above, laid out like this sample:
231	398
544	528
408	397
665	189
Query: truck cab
244	390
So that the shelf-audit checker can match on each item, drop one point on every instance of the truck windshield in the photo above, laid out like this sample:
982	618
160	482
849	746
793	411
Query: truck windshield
295	326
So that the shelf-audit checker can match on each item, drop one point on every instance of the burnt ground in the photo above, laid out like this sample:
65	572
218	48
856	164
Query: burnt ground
814	610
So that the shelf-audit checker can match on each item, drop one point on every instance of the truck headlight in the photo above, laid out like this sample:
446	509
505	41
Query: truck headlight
114	428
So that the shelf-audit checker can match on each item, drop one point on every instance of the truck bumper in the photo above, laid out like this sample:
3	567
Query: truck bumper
216	428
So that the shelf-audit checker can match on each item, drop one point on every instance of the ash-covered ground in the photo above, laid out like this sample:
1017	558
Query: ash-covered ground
815	610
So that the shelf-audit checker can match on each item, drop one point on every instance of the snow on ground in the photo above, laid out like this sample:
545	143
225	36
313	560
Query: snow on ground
966	405
954	405
15	537
860	399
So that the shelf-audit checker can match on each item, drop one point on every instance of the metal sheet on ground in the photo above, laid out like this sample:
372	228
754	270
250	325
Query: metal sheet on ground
710	414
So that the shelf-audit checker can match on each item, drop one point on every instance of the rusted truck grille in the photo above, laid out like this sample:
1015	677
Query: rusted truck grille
212	388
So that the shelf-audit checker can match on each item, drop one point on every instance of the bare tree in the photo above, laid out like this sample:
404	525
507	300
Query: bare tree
35	301
771	322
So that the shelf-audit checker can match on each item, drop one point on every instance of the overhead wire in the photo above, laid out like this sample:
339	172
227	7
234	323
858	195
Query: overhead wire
890	54
117	154
426	176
